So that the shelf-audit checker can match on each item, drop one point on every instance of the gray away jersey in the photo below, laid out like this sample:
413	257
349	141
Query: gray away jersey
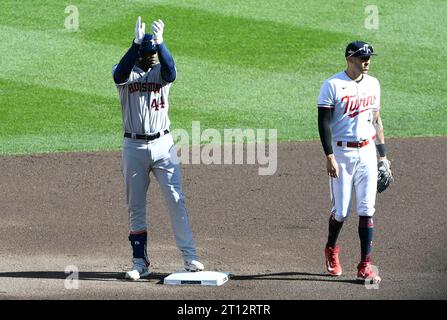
144	101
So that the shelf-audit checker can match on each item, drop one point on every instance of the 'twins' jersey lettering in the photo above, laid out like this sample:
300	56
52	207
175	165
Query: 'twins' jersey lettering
353	104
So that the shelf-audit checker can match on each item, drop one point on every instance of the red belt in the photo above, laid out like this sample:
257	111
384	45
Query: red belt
354	144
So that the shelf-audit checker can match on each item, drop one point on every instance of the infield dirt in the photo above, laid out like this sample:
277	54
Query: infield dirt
68	209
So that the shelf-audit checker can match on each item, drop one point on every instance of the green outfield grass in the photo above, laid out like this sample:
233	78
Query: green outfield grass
241	64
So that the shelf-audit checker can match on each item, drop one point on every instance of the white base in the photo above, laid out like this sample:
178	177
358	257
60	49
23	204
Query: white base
204	278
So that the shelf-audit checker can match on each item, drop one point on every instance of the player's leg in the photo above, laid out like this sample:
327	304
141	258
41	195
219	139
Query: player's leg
167	172
365	182
334	224
341	188
332	250
341	193
135	167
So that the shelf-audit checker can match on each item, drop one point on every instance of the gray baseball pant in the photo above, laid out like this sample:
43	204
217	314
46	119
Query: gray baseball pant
158	156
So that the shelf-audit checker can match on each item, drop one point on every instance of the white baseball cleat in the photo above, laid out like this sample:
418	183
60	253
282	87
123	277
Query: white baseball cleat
140	269
193	266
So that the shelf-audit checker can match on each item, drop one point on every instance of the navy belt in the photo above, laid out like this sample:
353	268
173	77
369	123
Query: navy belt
147	137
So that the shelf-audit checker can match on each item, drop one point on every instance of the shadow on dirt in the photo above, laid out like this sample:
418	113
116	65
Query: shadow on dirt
119	276
89	276
294	276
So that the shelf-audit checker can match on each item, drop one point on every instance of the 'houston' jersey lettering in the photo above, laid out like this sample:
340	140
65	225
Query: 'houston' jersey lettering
144	101
353	103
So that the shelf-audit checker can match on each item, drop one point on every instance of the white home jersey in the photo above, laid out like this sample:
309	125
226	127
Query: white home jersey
353	104
144	101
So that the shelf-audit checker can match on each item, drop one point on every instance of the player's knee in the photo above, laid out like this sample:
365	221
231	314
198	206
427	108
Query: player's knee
173	200
137	210
340	218
340	215
366	212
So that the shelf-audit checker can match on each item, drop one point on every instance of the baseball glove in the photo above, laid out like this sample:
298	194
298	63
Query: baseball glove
384	177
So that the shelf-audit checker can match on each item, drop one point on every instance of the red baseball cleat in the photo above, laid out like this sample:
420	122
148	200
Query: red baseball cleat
332	263
366	273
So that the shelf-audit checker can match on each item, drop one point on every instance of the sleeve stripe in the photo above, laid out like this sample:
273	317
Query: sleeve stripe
330	106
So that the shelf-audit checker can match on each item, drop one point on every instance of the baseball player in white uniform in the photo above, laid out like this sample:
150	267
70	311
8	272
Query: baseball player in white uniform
143	86
351	131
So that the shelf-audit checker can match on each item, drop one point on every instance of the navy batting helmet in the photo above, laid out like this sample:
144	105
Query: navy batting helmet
147	45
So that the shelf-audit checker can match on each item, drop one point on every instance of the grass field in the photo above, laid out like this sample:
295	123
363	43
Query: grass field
241	64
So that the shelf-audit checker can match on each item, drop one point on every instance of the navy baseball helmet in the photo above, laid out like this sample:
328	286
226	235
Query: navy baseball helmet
147	45
359	49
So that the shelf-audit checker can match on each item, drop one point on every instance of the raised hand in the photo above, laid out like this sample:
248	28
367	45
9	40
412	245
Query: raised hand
157	31
140	30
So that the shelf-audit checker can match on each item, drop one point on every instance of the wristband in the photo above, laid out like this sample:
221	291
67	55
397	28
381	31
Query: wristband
381	149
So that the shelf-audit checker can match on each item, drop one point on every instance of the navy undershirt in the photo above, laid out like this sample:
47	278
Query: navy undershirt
127	62
324	128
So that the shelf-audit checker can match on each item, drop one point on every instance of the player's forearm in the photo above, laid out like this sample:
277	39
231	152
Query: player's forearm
380	137
168	72
124	67
324	128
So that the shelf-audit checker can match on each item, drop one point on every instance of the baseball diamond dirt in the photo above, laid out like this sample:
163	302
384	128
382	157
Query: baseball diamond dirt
68	209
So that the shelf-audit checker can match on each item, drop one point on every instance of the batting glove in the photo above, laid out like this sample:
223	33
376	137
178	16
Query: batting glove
157	30
140	29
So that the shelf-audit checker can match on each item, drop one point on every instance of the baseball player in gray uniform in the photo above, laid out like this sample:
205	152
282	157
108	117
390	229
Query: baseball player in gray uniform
143	85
